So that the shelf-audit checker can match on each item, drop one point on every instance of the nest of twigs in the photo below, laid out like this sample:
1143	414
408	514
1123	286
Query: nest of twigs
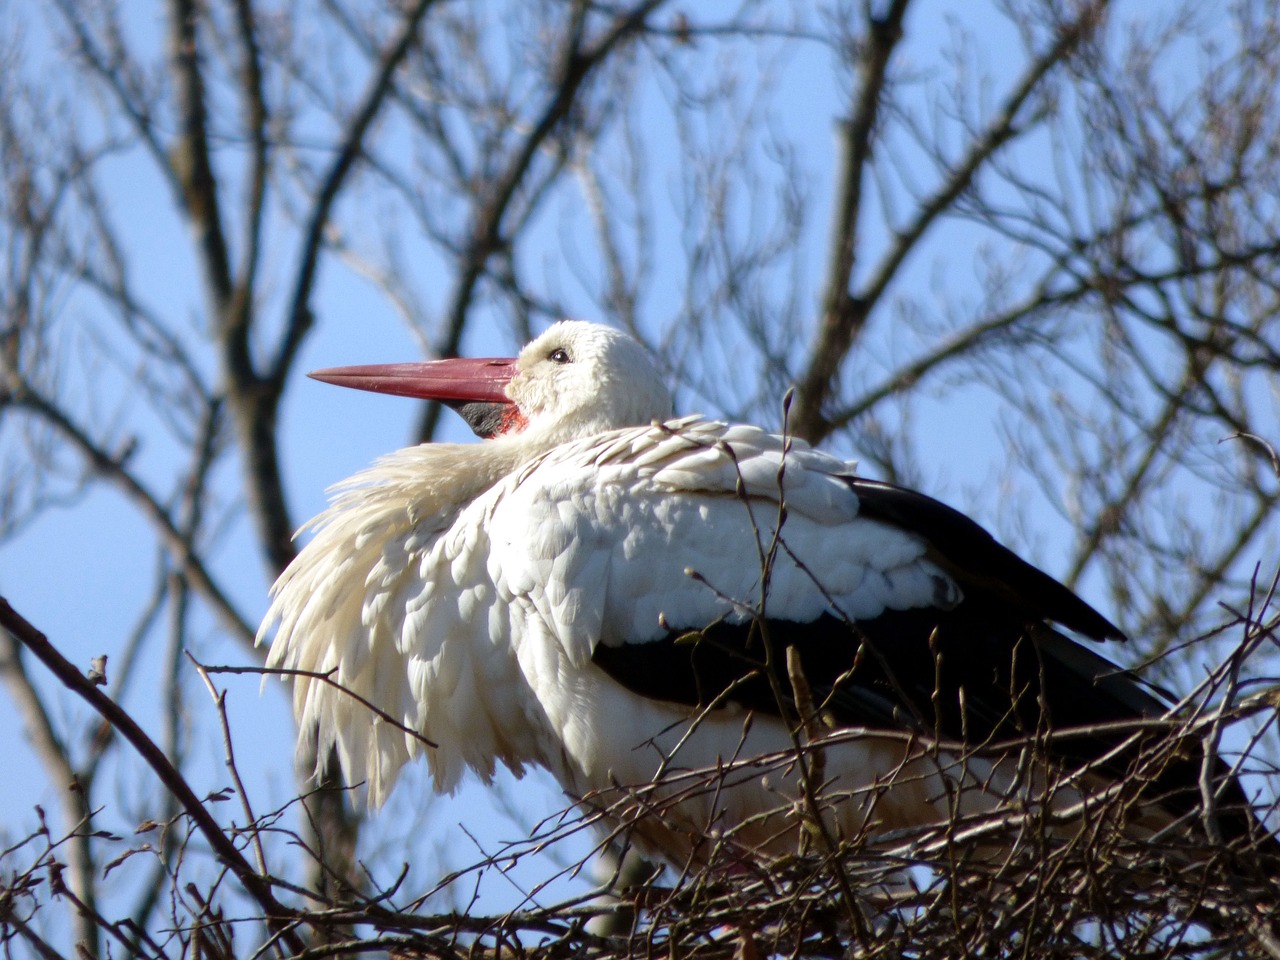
1032	877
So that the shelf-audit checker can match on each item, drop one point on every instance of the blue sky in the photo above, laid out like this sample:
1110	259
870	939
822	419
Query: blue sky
81	573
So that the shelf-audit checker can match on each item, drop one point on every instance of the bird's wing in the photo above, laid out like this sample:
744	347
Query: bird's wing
619	540
681	560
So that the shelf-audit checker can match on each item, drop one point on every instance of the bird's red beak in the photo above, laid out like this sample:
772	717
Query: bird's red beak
460	380
476	389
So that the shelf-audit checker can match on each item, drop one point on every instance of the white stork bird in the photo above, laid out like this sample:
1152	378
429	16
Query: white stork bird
614	595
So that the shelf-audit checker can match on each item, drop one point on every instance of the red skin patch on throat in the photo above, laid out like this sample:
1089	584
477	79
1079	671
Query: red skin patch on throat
513	421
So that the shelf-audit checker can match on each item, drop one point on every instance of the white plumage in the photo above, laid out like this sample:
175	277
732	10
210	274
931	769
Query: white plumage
553	596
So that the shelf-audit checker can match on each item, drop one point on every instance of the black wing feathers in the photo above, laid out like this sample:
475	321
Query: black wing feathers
975	558
988	670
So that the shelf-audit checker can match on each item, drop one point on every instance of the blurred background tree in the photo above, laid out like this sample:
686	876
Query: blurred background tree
1023	255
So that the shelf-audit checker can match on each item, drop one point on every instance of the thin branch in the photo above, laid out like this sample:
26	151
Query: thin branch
191	157
55	755
326	678
257	117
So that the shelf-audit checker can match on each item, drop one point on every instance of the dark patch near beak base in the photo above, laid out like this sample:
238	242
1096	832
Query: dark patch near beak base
487	419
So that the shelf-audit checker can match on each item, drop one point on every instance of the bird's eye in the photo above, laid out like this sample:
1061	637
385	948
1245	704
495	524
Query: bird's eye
559	355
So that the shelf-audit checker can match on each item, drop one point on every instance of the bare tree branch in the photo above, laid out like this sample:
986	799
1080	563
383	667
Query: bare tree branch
576	61
257	885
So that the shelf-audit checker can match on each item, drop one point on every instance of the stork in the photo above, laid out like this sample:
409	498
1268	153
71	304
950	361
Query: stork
631	600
